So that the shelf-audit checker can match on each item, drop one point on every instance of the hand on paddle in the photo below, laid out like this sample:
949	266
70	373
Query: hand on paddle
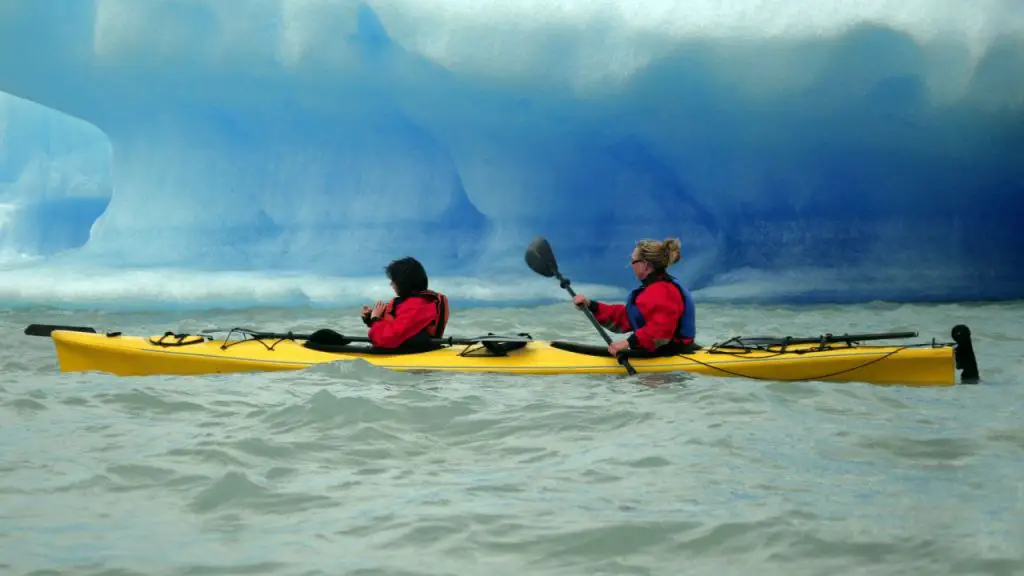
615	347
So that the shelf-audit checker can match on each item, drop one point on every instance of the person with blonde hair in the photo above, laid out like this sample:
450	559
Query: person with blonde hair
660	312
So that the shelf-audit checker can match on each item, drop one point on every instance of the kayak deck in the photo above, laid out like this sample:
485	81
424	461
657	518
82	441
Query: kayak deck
921	364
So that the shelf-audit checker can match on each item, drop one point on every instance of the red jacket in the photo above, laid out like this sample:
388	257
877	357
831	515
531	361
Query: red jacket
662	307
424	315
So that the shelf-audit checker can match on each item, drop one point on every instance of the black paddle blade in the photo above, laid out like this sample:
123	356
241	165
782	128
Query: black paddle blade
46	329
540	258
329	337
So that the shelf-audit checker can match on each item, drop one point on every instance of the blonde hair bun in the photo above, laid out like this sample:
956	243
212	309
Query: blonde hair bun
673	250
661	254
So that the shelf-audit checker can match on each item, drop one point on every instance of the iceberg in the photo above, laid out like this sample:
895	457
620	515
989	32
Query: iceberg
801	152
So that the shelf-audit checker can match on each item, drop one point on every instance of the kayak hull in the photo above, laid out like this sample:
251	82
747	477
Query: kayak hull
123	355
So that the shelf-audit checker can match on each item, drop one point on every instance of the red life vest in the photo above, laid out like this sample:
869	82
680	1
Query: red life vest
437	326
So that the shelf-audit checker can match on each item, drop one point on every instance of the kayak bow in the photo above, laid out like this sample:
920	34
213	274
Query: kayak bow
835	358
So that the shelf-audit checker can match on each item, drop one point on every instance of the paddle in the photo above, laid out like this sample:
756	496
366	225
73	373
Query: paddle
331	337
323	336
823	339
541	259
46	329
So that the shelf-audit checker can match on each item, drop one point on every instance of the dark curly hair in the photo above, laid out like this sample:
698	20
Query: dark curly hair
408	275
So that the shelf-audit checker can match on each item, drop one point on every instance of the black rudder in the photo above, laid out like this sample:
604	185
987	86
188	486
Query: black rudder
964	354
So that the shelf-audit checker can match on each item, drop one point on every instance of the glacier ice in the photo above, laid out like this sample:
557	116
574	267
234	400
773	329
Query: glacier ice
860	151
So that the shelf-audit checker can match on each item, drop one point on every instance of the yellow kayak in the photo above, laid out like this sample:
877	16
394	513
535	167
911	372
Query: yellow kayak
843	358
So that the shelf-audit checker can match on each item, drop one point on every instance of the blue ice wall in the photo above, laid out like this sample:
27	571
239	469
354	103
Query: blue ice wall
855	151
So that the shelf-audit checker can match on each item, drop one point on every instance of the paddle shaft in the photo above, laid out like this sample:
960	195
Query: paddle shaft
450	340
47	329
829	338
823	339
590	316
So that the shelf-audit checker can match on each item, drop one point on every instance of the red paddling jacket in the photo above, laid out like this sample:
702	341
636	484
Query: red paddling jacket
410	321
659	312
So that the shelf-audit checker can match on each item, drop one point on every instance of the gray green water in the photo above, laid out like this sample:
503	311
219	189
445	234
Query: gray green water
348	469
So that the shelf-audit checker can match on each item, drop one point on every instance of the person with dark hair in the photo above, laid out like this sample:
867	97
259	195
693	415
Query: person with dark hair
415	316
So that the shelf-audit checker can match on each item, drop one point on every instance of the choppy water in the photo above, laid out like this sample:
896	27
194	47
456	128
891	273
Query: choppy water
355	470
